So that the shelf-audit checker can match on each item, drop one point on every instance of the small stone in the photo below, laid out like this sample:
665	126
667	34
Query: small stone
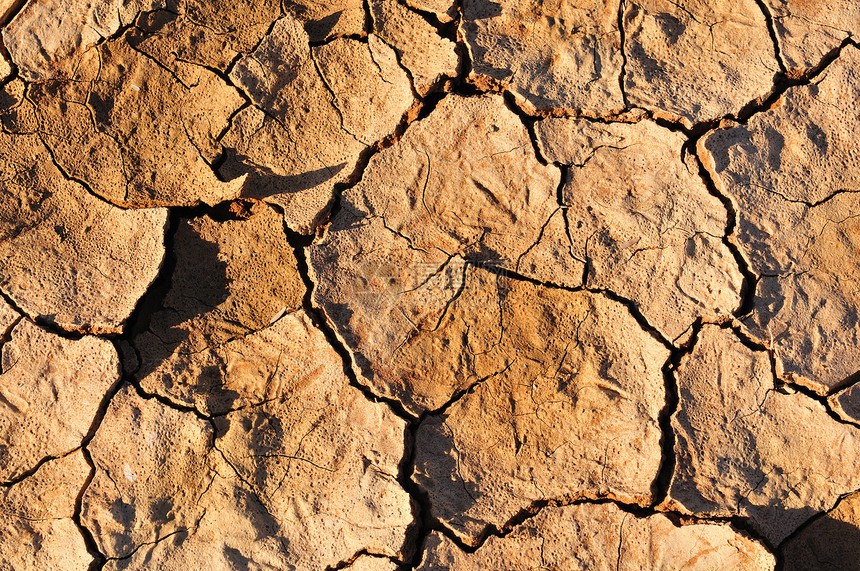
551	55
231	280
643	217
743	448
830	542
698	60
602	536
37	531
809	30
574	414
353	94
794	174
429	57
51	389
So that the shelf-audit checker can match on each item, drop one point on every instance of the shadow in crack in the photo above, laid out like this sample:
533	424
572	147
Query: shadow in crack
826	543
181	321
437	463
320	29
263	182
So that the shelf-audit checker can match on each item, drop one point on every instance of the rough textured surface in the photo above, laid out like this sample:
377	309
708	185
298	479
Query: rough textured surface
66	255
205	347
573	414
36	527
120	110
644	220
152	463
428	57
315	460
398	252
8	317
830	542
352	95
389	284
552	55
808	30
794	174
697	60
601	536
48	38
51	389
746	448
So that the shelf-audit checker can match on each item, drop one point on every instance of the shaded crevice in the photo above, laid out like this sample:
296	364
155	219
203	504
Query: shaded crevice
299	243
6	335
426	15
151	543
153	299
362	38
35	468
634	310
807	203
424	522
333	96
774	37
45	322
780	552
663	481
68	176
782	385
368	17
502	272
348	563
398	57
845	384
168	402
786	387
782	83
12	11
537	240
99	558
459	395
750	278
419	111
738	524
529	122
622	75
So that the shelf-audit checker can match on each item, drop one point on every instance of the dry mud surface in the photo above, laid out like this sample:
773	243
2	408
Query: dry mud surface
429	284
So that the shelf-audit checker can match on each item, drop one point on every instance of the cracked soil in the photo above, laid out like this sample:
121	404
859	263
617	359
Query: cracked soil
429	284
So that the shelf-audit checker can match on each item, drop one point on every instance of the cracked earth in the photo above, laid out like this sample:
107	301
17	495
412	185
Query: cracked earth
429	284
